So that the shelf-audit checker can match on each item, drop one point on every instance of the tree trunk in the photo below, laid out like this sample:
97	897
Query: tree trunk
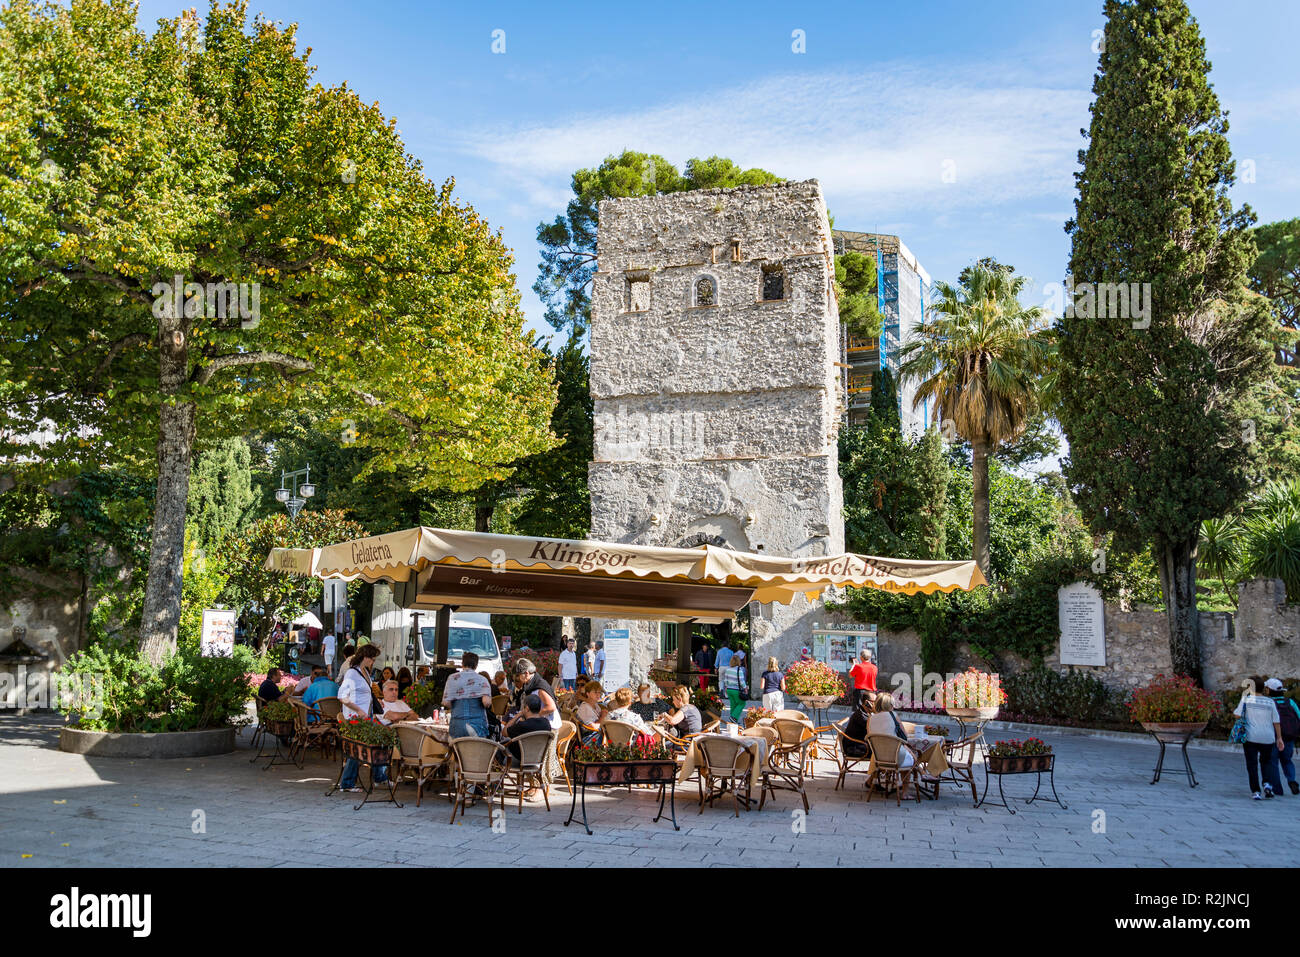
482	516
980	502
176	421
1176	562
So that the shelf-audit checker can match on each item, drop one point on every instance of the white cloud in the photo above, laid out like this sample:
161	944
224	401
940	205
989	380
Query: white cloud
878	142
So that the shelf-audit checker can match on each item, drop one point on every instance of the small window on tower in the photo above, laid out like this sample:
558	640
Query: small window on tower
706	291
773	282
638	291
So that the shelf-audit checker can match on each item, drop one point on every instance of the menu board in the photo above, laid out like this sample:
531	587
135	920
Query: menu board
1083	625
618	659
839	648
217	639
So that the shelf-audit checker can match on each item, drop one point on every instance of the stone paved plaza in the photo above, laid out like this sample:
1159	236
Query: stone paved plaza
69	810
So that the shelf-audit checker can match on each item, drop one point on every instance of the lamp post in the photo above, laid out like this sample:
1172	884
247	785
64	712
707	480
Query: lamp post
295	488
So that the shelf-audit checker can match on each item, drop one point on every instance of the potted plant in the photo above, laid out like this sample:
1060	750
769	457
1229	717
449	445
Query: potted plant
937	730
1172	707
1017	757
624	763
973	694
664	673
278	718
420	698
815	683
756	714
368	741
710	704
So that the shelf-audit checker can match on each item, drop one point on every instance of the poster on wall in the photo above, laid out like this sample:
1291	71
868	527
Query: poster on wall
618	659
218	636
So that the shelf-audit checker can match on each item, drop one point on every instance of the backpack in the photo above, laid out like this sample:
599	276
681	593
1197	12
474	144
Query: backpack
1289	718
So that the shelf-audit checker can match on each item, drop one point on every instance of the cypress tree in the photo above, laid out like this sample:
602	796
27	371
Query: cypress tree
1153	395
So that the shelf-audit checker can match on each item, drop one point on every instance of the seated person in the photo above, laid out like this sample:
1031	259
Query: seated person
404	680
622	711
322	686
856	728
590	712
500	685
303	684
685	718
884	721
395	709
422	674
270	689
525	722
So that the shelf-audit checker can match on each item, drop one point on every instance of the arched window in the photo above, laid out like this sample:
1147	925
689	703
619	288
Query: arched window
706	291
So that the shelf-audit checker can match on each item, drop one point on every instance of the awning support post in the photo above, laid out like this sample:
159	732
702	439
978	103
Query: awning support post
444	632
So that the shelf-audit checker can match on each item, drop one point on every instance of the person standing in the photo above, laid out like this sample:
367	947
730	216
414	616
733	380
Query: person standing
589	662
568	666
327	650
864	678
1289	718
468	695
773	687
723	658
1263	743
598	667
703	663
733	682
357	700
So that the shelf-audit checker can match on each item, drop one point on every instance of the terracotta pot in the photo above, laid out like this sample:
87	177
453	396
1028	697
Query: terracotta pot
281	729
1173	732
983	714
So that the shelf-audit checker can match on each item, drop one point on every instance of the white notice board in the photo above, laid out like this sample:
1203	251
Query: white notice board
218	636
618	659
1083	625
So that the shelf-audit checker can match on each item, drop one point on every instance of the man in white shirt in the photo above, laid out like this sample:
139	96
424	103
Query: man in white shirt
395	709
327	652
568	666
598	669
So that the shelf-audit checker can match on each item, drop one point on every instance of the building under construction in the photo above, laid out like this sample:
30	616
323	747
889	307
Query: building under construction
903	292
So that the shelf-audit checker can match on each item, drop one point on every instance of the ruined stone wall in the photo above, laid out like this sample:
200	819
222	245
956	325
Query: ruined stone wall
717	412
1262	638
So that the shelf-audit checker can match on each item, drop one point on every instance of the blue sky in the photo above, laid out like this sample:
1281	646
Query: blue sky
884	97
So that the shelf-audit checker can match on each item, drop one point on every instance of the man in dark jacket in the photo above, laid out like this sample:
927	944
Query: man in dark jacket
1289	718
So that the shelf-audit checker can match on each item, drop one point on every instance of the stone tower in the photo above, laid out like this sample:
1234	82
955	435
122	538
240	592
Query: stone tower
714	341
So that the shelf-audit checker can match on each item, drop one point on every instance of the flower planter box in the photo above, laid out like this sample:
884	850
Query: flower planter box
1020	764
371	754
281	729
817	701
659	771
625	772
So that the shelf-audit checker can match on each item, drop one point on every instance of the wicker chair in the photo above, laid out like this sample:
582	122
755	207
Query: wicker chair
479	763
500	704
848	763
961	763
792	714
322	733
619	732
785	770
711	727
564	739
722	760
791	734
419	753
533	750
259	729
887	753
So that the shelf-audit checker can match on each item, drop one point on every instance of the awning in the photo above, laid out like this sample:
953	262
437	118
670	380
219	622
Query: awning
512	574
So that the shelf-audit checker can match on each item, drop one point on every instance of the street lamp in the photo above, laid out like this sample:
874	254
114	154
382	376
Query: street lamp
292	493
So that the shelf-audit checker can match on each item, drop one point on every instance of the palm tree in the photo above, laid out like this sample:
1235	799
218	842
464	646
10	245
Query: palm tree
985	361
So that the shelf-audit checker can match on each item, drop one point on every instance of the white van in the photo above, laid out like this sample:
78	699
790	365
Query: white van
464	635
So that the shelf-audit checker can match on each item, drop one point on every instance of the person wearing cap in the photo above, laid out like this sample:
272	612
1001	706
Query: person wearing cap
1288	713
1263	742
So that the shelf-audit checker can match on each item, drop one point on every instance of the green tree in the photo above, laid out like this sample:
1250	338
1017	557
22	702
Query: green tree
855	281
221	492
569	243
884	400
206	152
1152	407
980	356
1275	274
263	594
895	491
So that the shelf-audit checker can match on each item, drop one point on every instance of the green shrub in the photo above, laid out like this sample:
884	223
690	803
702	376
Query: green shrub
1048	694
188	692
